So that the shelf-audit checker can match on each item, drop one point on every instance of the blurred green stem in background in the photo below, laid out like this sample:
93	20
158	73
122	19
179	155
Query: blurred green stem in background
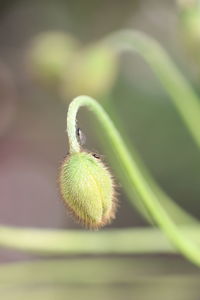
97	271
181	93
108	278
115	241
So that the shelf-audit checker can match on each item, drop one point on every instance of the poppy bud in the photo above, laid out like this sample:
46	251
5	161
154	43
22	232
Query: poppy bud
87	188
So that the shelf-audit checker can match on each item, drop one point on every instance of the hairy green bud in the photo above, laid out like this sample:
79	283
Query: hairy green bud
87	188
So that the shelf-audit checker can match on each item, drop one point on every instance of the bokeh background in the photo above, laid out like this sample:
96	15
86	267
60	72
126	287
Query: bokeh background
33	143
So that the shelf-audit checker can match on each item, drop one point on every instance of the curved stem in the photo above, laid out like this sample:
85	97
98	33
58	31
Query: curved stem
71	131
148	197
185	100
181	93
177	213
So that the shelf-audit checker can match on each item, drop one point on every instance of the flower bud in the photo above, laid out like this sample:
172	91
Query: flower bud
92	72
49	55
87	188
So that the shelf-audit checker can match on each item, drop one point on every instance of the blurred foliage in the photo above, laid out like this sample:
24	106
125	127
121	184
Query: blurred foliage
49	56
108	278
93	72
189	13
57	60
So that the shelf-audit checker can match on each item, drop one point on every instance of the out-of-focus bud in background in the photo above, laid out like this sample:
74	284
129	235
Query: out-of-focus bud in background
92	71
189	14
49	55
57	60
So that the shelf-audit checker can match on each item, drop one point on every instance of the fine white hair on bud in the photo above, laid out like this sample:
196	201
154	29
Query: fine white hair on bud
87	188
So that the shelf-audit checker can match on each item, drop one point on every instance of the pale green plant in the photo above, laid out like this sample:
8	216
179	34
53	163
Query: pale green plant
150	199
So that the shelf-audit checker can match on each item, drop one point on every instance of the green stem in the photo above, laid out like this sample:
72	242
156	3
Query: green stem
116	241
178	214
71	131
181	93
148	197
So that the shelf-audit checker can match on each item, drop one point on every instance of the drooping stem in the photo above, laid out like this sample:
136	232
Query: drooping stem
148	197
181	93
71	130
177	213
